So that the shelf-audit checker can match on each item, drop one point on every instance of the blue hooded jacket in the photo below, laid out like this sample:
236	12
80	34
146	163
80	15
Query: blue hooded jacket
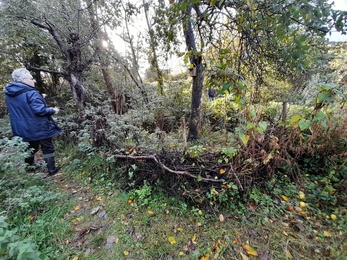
29	115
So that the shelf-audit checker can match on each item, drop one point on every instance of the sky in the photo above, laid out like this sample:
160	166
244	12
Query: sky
338	5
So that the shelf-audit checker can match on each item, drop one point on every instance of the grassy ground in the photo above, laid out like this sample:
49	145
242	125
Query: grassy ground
73	219
80	214
113	226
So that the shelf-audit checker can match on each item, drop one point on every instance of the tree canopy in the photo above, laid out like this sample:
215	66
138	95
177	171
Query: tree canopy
225	42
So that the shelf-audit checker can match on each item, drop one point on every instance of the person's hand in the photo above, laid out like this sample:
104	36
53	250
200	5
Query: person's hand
56	110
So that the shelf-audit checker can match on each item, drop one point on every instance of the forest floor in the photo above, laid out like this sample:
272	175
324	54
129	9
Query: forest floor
112	225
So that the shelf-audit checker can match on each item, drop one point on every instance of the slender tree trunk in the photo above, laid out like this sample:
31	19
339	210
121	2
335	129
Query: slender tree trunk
195	121
135	63
196	60
104	65
153	57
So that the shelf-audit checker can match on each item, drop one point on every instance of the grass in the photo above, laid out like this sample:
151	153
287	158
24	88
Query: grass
163	228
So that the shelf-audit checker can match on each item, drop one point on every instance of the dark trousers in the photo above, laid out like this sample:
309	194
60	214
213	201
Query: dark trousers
47	149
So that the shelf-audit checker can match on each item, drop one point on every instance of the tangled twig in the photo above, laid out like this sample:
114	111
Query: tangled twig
152	157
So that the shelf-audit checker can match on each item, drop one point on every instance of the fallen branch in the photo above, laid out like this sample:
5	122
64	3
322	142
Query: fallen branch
152	157
237	178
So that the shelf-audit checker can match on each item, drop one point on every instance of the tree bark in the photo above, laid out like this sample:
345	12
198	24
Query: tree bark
74	69
196	60
153	57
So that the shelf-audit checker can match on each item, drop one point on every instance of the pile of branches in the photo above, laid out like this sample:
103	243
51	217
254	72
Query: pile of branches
278	150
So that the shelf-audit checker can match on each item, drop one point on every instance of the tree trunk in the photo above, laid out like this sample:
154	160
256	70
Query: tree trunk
116	106
196	60
72	53
77	90
153	57
136	77
194	122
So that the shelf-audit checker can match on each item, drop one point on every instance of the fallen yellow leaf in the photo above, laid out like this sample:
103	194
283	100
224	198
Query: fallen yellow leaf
75	258
151	213
77	208
172	240
179	229
333	217
250	250
301	195
205	257
327	233
285	198
221	218
126	253
222	171
194	238
302	204
76	221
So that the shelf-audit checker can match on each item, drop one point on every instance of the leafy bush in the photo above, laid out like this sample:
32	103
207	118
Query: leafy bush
12	154
13	247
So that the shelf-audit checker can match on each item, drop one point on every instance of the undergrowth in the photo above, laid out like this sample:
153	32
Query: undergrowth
276	186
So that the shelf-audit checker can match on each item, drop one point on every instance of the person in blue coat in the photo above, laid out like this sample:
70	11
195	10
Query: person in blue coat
30	117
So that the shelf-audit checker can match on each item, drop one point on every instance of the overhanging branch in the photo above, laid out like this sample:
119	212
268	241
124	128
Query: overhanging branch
47	70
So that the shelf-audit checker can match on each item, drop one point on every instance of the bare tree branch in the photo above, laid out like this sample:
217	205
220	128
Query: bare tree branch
183	173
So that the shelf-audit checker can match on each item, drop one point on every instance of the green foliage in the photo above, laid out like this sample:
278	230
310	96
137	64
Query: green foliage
12	246
323	189
12	154
27	199
195	151
142	196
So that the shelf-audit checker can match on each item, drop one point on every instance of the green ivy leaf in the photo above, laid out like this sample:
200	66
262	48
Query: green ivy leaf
230	151
320	116
295	119
262	127
324	96
244	139
250	125
304	124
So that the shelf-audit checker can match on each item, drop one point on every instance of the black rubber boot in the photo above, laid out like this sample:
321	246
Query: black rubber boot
30	160
52	169
31	167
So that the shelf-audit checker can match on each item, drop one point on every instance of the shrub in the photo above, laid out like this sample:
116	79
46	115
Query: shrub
13	247
12	154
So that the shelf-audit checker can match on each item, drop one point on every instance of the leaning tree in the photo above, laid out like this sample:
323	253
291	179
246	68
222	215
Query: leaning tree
73	34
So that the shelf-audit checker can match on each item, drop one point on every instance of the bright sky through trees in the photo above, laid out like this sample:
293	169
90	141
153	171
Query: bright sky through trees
336	36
